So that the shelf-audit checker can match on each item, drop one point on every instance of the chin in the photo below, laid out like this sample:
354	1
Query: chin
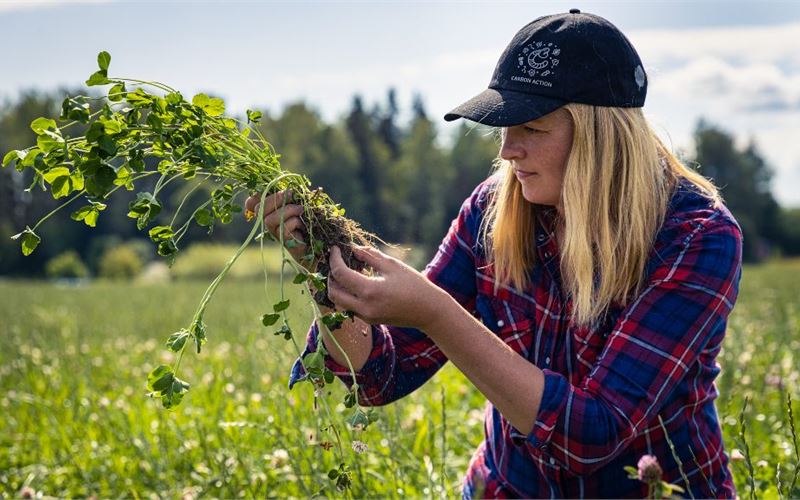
537	198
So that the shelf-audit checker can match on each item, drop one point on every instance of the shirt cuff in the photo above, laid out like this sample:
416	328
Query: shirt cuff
554	397
373	371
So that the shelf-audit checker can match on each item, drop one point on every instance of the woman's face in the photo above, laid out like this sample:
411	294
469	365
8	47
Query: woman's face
538	152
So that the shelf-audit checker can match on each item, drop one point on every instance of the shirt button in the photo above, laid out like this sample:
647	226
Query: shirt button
500	323
547	360
552	461
540	237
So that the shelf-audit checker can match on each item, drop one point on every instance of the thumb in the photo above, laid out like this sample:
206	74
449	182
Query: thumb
371	256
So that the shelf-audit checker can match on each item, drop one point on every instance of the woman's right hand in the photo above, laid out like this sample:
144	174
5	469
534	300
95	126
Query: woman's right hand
274	210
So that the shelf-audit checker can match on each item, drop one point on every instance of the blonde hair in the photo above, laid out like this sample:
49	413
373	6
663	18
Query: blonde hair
617	185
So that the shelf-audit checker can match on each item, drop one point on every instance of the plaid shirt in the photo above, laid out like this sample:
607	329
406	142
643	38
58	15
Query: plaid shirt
605	385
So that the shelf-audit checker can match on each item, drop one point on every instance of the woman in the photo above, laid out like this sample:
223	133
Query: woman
583	288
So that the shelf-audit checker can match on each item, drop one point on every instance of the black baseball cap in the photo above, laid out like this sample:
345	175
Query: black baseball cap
554	60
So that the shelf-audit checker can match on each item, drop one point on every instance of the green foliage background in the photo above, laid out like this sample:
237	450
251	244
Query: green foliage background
76	421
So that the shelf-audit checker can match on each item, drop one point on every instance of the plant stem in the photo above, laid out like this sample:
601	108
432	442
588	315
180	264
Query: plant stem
748	462
55	210
676	457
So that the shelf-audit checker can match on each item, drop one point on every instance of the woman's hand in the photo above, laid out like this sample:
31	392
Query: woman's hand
398	295
274	210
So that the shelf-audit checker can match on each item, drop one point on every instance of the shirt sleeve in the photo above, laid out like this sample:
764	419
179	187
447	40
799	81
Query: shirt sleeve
403	359
677	321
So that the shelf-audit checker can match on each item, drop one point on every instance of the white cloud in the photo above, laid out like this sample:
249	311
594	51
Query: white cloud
740	45
744	79
741	88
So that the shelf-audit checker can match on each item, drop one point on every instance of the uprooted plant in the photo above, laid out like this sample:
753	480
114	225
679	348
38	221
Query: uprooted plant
145	129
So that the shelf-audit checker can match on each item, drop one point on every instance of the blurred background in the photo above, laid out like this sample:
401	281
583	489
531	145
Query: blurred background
353	95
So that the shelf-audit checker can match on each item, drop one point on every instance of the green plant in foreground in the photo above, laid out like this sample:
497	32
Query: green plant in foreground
148	129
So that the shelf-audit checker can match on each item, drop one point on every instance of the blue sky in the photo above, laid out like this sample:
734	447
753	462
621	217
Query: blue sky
736	63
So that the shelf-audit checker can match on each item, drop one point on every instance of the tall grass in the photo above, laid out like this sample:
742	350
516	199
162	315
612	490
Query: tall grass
76	422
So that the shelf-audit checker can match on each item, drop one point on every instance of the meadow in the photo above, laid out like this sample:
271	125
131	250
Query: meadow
76	420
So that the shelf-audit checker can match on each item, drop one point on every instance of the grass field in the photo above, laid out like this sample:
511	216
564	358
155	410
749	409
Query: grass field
76	422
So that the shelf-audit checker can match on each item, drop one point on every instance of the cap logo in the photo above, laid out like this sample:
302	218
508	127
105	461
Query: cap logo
638	75
537	62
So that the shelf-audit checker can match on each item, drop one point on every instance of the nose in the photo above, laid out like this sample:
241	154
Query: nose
511	148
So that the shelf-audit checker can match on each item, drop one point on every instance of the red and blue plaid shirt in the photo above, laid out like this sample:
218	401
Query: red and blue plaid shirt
605	385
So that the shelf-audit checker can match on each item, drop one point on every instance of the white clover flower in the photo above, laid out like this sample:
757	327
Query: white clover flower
359	446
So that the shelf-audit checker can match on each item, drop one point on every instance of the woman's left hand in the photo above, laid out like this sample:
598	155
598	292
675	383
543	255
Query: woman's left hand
398	295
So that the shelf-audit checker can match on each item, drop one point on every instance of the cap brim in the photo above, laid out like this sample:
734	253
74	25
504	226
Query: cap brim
504	108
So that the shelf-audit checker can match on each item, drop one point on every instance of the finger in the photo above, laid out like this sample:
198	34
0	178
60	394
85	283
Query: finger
271	202
342	298
290	229
250	207
277	200
371	256
251	203
273	220
355	282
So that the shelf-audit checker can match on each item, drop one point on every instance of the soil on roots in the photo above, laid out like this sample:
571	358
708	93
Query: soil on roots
334	230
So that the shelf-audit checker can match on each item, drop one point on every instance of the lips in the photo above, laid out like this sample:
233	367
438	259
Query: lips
521	174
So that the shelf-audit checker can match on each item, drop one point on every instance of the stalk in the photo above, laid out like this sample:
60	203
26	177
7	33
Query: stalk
135	127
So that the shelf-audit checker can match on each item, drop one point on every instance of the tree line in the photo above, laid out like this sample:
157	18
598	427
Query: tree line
397	179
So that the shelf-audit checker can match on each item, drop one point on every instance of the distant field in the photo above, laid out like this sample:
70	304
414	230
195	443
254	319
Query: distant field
75	421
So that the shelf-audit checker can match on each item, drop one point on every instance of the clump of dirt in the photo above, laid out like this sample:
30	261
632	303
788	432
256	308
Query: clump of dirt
332	229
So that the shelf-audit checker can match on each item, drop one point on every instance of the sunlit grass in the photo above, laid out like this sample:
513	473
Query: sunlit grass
76	421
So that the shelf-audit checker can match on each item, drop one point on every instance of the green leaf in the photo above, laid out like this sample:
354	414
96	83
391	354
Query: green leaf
124	178
98	78
318	280
29	241
160	379
51	175
117	92
281	306
335	319
111	126
203	217
328	376
177	340
213	106
167	248
359	420
103	60
284	330
139	98
61	187
253	116
174	395
101	181
39	125
75	109
49	141
270	319
314	363
299	278
173	98
107	146
350	399
161	233
198	331
11	156
87	214
77	180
